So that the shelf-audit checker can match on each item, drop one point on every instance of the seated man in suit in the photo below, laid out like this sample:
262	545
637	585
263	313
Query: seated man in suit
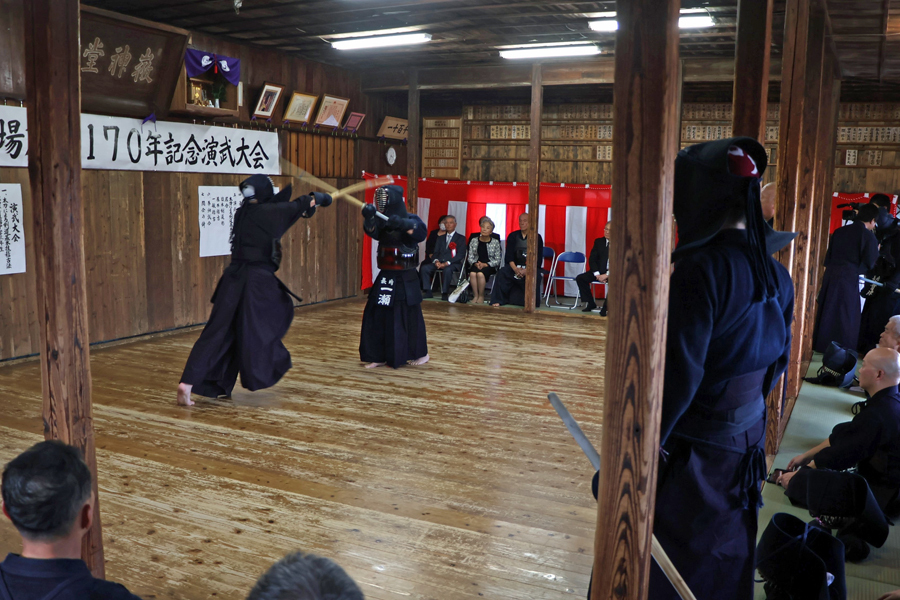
509	285
432	239
449	252
599	271
47	495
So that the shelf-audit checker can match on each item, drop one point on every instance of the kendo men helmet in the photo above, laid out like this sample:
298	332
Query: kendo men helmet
389	200
262	189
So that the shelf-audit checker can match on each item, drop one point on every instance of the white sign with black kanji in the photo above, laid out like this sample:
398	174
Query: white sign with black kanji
216	207
12	232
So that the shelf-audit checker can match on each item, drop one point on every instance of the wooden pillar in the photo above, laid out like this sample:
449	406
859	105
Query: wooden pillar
53	88
645	143
751	68
804	48
821	201
412	144
534	187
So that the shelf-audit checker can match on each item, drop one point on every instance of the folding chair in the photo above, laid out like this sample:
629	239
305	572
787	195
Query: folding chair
545	273
605	285
566	257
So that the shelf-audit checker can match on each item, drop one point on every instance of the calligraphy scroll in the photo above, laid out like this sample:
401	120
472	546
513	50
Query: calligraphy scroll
12	231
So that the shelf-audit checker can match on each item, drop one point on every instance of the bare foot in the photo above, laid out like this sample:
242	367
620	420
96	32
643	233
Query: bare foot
184	395
495	305
373	365
419	361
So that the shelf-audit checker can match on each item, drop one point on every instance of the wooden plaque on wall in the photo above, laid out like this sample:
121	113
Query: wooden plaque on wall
441	147
129	66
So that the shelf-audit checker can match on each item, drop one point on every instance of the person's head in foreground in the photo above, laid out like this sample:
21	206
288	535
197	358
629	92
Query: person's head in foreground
880	369
890	337
47	496
301	576
716	189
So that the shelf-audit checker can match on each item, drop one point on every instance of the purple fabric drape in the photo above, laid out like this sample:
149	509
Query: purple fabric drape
197	62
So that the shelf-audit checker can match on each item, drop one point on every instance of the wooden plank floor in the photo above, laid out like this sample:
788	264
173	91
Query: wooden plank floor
451	480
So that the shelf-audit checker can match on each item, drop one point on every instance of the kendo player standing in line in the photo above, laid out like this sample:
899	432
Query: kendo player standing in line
881	301
729	337
252	309
393	329
852	252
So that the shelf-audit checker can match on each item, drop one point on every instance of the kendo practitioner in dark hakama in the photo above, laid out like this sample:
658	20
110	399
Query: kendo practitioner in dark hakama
729	337
852	252
393	329
881	301
252	309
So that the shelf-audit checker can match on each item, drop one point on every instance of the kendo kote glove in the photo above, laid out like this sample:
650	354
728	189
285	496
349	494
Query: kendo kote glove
395	222
322	199
368	211
304	202
407	224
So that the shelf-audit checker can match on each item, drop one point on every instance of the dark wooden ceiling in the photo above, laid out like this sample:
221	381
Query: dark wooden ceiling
468	32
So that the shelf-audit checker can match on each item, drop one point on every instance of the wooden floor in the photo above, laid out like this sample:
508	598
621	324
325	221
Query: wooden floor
451	480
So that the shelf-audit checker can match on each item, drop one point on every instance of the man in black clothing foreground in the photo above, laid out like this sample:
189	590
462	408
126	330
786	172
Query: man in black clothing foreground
47	496
509	285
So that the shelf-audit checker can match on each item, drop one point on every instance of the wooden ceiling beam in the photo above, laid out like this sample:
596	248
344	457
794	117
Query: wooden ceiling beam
560	73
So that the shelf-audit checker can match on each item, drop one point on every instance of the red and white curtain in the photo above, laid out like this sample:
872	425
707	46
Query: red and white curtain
571	216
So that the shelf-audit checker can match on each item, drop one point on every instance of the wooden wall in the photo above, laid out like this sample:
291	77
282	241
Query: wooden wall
577	141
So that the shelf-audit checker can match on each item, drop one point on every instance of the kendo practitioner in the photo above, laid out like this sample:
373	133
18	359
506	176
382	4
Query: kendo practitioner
881	301
852	252
728	342
252	309
393	329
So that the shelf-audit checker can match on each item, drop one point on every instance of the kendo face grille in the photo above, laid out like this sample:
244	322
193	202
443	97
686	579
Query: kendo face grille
381	198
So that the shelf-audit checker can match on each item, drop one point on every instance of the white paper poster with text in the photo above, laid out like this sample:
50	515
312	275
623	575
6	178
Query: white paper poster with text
123	144
13	137
216	207
12	231
118	143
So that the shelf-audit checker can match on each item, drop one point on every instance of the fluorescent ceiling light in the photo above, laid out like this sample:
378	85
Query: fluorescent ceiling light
551	51
382	41
695	21
604	25
688	22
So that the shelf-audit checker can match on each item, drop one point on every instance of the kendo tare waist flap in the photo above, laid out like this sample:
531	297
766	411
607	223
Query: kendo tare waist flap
385	290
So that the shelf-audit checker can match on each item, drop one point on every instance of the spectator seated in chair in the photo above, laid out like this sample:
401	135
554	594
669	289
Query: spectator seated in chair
871	441
432	238
47	494
509	285
598	263
300	576
484	258
449	251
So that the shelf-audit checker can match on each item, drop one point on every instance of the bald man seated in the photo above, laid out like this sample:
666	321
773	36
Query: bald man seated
767	200
871	441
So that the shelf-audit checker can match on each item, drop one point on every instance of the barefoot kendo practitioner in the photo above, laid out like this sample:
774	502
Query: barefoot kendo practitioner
252	309
393	329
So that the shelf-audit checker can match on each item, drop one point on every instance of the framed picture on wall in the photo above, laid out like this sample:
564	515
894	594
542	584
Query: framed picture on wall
268	100
331	111
300	108
354	121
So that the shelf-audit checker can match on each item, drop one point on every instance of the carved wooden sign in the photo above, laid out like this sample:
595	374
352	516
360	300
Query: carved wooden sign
129	67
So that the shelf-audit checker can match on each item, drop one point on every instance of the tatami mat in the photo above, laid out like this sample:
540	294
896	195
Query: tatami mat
818	409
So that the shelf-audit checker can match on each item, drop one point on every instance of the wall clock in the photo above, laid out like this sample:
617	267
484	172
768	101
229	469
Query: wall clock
391	156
